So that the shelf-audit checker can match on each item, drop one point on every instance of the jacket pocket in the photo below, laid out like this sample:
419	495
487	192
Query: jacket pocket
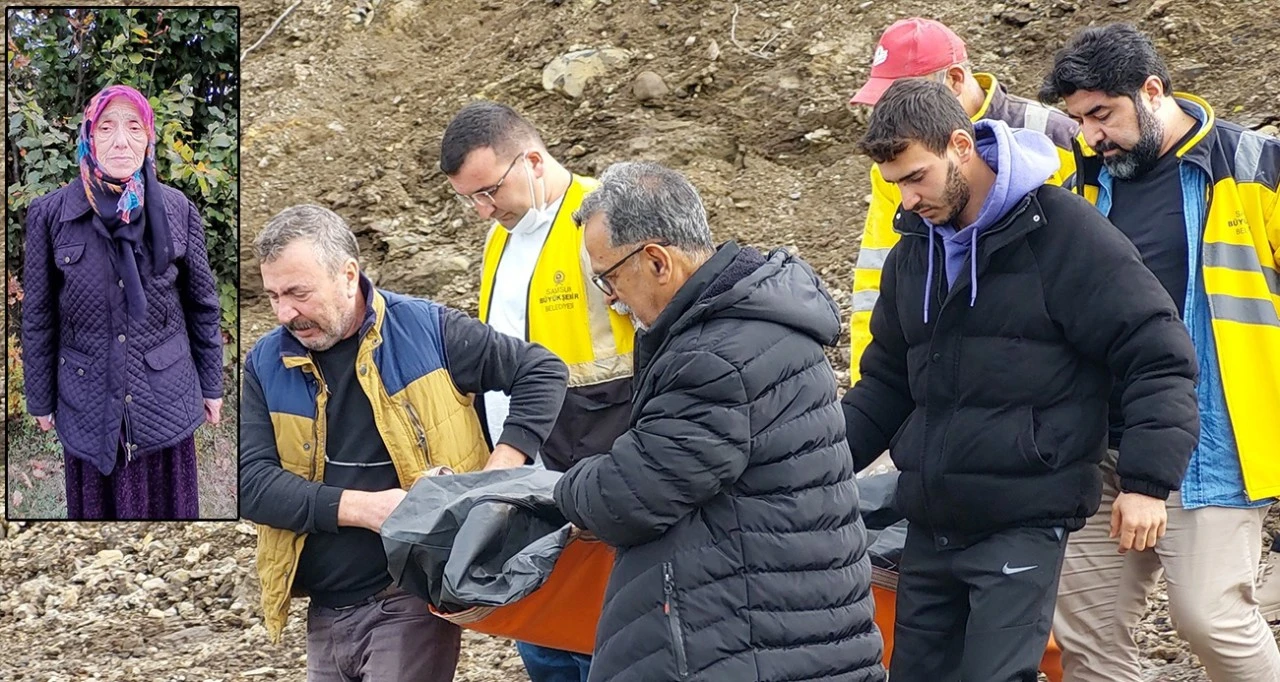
77	377
172	377
419	433
170	351
65	255
1030	449
671	608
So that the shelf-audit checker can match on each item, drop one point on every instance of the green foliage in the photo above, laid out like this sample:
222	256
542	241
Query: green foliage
184	60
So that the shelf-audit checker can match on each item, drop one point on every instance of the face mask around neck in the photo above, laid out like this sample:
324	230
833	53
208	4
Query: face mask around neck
539	214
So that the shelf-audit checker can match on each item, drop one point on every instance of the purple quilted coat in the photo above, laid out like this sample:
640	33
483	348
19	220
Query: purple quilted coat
103	375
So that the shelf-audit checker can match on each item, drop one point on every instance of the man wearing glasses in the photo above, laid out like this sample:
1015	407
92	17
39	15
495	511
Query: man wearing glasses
730	500
535	287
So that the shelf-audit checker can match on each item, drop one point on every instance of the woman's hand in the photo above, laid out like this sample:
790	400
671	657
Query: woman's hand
213	410
45	423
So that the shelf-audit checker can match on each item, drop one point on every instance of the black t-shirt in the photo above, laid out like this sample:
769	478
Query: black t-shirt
1149	211
338	569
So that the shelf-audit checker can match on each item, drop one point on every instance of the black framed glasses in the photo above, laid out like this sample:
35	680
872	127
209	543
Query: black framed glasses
485	196
601	280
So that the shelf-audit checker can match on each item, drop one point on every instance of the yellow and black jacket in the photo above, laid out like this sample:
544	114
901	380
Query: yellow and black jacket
878	236
567	314
1229	177
419	364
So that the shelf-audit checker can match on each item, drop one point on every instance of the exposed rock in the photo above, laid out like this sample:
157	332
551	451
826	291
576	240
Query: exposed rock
570	73
649	86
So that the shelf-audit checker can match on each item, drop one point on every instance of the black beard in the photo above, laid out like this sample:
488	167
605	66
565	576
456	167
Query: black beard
1131	164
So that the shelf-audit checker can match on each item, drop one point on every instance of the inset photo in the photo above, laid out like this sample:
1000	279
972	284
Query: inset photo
122	263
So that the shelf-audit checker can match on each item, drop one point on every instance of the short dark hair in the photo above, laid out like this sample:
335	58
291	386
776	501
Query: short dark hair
484	124
913	110
1116	59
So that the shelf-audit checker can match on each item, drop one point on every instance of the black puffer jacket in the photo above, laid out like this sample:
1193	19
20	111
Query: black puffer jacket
996	411
731	499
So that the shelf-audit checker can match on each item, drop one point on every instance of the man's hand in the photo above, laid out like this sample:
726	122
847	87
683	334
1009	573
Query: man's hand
368	510
505	457
213	410
45	423
1138	520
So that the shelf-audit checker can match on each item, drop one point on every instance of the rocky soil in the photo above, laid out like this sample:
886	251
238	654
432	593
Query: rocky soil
344	105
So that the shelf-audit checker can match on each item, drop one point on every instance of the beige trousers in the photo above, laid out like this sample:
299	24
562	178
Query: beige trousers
1209	557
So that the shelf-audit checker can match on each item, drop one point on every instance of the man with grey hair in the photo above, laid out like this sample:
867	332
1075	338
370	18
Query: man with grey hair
730	499
346	404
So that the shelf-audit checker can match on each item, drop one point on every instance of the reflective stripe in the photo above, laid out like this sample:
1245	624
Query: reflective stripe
1246	310
361	465
865	301
1036	118
1242	258
872	259
1249	160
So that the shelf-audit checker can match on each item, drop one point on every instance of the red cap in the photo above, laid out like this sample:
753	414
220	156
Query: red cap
908	49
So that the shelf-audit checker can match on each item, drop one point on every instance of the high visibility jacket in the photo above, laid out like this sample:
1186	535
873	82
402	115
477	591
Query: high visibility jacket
1229	185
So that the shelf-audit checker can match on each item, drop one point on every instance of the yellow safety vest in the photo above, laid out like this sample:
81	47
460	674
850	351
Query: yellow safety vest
566	313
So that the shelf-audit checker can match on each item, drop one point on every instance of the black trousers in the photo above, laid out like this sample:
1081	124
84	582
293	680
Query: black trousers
977	612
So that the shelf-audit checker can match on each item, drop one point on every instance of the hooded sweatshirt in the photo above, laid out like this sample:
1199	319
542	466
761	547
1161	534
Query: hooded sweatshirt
1022	161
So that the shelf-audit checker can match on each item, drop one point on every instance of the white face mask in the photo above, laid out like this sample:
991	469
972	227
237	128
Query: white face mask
539	214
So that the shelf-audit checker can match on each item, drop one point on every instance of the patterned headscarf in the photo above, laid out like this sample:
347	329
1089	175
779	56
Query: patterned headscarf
132	195
137	227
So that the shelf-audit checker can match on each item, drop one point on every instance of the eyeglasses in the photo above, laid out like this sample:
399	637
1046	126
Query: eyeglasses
485	196
601	280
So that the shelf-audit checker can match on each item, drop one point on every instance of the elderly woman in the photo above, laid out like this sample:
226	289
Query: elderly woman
120	322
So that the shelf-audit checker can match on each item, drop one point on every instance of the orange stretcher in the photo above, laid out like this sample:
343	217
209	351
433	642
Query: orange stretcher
562	614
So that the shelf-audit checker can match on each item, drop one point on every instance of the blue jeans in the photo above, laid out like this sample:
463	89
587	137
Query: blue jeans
553	665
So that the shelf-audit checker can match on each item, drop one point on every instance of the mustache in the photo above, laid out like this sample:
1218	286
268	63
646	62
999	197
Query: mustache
298	324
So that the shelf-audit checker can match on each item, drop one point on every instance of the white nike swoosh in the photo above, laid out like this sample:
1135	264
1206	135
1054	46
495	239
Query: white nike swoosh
1007	570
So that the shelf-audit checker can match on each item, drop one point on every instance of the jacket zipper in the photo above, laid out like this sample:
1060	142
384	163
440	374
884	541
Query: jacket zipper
421	432
672	612
128	437
951	293
321	400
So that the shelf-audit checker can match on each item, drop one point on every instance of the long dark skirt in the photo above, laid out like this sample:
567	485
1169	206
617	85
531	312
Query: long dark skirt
158	486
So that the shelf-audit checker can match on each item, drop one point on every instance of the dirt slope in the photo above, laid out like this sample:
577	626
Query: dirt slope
349	115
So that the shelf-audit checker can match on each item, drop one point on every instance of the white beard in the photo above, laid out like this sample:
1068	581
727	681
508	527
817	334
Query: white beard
622	309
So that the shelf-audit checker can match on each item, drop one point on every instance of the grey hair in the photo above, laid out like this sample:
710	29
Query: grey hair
644	201
327	231
941	74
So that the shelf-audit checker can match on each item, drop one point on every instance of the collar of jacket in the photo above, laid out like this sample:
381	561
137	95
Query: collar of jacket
76	204
649	343
996	104
294	354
